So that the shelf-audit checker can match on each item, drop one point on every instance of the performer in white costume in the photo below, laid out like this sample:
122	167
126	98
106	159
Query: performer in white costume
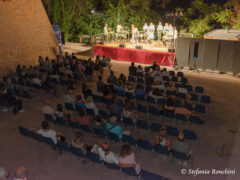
152	30
160	31
145	31
105	30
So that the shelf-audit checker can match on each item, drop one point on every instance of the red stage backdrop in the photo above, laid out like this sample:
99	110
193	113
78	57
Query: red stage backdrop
134	55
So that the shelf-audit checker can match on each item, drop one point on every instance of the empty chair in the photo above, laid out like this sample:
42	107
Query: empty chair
90	112
140	80
155	127
49	117
112	136
168	114
85	128
181	156
180	74
166	78
194	97
149	80
154	111
161	149
181	117
172	131
182	95
171	73
69	106
129	95
111	166
78	152
189	88
94	157
174	79
161	101
128	121
131	78
184	80
142	108
73	124
188	106
140	97
61	120
150	99
130	171
205	99
189	135
65	146
97	98
144	144
100	132
196	120
148	89
167	84
129	139
24	131
199	108
199	89
37	137
49	141
142	124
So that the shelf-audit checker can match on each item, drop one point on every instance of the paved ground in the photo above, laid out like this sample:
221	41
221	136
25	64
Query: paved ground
43	163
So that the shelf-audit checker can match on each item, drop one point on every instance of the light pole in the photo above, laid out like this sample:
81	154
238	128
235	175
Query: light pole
91	39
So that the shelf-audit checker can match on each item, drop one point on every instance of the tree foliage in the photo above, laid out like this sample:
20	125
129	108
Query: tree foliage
200	16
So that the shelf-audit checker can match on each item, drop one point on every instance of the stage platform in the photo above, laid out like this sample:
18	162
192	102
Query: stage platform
145	56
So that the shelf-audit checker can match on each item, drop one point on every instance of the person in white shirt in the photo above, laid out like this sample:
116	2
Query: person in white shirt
47	109
175	34
105	30
47	132
37	81
105	154
68	98
21	173
77	142
170	32
119	27
160	31
165	29
145	31
91	105
182	90
152	31
3	173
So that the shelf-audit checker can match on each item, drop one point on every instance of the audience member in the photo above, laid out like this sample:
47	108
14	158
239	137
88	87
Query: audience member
99	123
162	139
139	91
132	69
116	108
21	173
105	154
77	142
91	105
82	118
127	158
114	128
47	109
79	102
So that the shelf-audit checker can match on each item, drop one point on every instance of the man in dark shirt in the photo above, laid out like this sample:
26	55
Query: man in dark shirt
132	69
154	66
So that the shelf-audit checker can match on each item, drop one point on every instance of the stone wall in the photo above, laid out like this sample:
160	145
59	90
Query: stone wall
25	34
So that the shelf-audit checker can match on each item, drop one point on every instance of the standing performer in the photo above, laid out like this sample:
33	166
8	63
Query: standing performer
106	33
145	31
119	28
160	31
152	30
136	35
132	32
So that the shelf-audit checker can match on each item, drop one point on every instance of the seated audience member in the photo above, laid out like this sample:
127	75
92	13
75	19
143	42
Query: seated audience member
165	72
82	118
112	78
116	109
60	113
79	102
155	93
182	109
86	91
182	89
10	100
91	105
3	173
119	86
105	154
77	142
37	80
99	123
122	78
47	109
139	91
10	86
68	71
172	87
128	112
127	158
46	131
162	139
154	66
169	106
180	146
114	128
100	84
21	173
68	98
157	77
107	92
129	87
139	69
132	69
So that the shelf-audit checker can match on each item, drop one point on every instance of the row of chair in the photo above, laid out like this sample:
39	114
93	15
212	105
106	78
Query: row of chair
93	157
